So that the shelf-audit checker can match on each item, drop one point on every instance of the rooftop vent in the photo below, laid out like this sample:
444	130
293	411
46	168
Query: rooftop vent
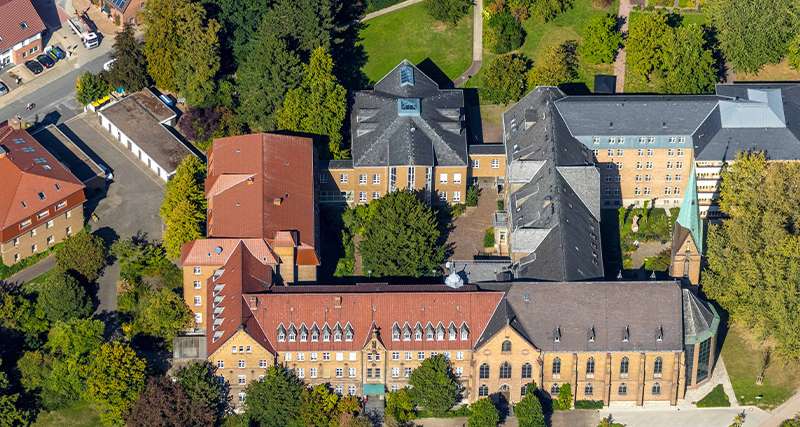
591	334
406	75
218	250
557	334
42	196
277	201
23	25
626	334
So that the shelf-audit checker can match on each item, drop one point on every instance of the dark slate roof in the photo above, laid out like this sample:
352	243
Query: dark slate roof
382	136
555	209
475	271
700	320
338	164
539	311
487	149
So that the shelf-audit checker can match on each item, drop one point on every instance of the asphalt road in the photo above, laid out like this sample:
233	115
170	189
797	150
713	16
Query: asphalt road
54	102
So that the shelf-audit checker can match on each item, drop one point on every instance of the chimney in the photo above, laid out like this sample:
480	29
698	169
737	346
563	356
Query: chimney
253	303
337	302
277	201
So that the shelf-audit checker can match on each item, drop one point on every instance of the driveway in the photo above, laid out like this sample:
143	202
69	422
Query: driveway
132	200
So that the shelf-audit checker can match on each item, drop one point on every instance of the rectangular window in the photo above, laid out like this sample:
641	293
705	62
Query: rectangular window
352	356
392	178
241	364
495	164
362	196
369	372
69	230
50	240
262	363
459	355
407	372
61	205
412	177
456	178
459	371
638	165
301	373
421	355
197	270
242	379
395	355
408	355
649	165
42	214
344	178
395	372
442	178
680	152
376	179
301	357
610	152
475	164
25	223
678	165
326	355
323	178
220	363
69	214
339	356
196	284
197	300
351	372
287	357
595	140
362	179
33	233
198	318
456	196
313	357
312	372
376	195
339	372
620	152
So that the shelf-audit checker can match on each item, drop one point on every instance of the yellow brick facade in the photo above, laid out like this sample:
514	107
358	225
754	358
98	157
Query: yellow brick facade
195	290
43	236
239	360
487	165
509	363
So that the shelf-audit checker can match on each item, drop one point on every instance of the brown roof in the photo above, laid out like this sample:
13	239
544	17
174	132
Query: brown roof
18	21
260	184
383	310
31	179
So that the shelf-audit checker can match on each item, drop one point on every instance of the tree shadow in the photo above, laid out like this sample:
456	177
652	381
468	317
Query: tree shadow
349	56
501	404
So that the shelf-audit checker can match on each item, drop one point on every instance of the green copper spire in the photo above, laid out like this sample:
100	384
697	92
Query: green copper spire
689	216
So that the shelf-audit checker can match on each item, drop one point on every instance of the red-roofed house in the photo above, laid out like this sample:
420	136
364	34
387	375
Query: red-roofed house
41	201
20	32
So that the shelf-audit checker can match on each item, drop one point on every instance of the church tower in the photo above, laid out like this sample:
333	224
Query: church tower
687	236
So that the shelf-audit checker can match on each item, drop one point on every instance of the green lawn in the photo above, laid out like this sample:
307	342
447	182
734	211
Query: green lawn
715	399
742	356
80	414
570	25
410	33
34	284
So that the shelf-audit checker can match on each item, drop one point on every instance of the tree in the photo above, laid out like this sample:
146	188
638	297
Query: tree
794	52
10	413
482	413
689	66
265	76
547	9
239	20
401	237
320	406
163	403
141	261
529	410
90	87
753	257
183	209
504	80
434	386
318	105
753	33
602	39
558	65
564	401
161	313
275	400
75	337
115	379
202	125
505	32
304	24
63	297
200	383
449	11
84	254
399	405
644	48
129	69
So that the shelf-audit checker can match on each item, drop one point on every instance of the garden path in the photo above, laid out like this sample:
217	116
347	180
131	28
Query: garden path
619	64
477	45
389	9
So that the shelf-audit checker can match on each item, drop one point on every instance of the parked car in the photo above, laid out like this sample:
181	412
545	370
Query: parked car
107	65
35	67
3	89
46	60
58	52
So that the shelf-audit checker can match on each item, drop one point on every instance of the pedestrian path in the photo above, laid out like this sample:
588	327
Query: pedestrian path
619	64
477	45
389	9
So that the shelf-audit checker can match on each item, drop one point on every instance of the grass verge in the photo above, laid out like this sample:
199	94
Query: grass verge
715	399
81	414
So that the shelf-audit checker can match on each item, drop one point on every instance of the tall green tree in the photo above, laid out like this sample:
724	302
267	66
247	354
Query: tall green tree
794	52
83	254
689	66
505	80
399	405
63	298
482	413
754	33
505	32
275	400
239	20
200	382
116	377
644	48
183	209
434	386
304	24
11	414
401	237
161	313
163	403
129	69
449	11
529	410
265	76
754	255
558	65
318	105
320	406
547	9
90	87
602	39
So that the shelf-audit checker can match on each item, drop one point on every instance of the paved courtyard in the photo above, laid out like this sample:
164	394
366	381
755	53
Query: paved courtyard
469	228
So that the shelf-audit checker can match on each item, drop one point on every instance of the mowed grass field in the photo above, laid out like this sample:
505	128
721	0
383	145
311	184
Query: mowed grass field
410	33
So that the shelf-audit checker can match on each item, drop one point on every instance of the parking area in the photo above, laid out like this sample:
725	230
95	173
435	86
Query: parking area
76	160
131	202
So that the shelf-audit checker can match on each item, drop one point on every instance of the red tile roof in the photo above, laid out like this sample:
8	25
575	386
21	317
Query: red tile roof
18	21
260	184
31	179
381	309
217	251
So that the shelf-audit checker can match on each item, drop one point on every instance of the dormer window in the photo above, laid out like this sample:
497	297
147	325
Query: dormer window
464	332
429	332
440	333
303	333
660	334
452	333
337	333
281	334
348	333
557	334
406	75
418	333
42	196
406	333
326	333
314	333
395	332
591	334
626	334
292	334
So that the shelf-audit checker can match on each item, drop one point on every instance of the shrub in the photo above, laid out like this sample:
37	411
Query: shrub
488	238
564	400
457	210
589	404
559	65
501	205
602	39
504	80
505	32
794	53
473	194
449	11
482	413
84	254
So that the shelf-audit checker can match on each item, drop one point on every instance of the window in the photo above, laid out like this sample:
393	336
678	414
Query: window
377	372
292	333
646	191
242	379
640	151
610	152
50	240
395	355
339	356
622	390
69	230
623	366
395	372
395	333
262	363
439	333
352	356
351	390
362	179
220	364
673	139
452	333
287	356
198	300
198	318
459	371
420	355
301	373
408	355
506	346
376	195
505	370
303	333
197	284
348	334
314	333
27	222
338	389
620	152
678	165
301	357
418	333
612	140
16	241
313	357
483	391
326	333
406	333
679	152
670	152
649	165
495	164
412	177
362	196
351	372
443	196
281	334
638	165
339	372
443	178
588	390
554	389
429	332
464	333
312	372
392	178
682	140
197	270
595	140
456	196
343	178
483	372
376	179
475	164
326	356
656	389
527	371
323	178
242	397
557	366
33	232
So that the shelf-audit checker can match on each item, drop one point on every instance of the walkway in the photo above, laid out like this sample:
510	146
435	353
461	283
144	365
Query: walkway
468	229
389	9
619	64
43	266
720	376
787	410
477	45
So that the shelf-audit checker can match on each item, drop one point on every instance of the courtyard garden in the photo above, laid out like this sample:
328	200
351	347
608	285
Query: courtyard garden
411	33
637	241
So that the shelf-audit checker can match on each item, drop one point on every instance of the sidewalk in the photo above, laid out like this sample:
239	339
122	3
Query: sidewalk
383	11
34	271
477	45
619	64
787	410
